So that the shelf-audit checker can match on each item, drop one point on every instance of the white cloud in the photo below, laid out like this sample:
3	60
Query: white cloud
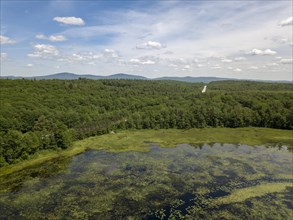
286	61
177	61
227	61
92	58
238	70
139	61
81	57
150	45
29	65
41	36
288	21
78	57
200	65
110	53
216	67
272	64
172	65
3	56
253	67
6	40
44	51
237	59
283	40
134	61
57	38
148	62
69	20
262	52
53	38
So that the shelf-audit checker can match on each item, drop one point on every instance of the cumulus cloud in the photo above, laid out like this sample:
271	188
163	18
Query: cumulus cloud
140	61
78	57
151	45
262	52
44	51
110	53
227	61
200	65
53	38
216	67
253	67
238	70
177	61
81	57
272	64
237	59
3	56
41	36
91	58
6	40
286	22
286	61
69	20
172	65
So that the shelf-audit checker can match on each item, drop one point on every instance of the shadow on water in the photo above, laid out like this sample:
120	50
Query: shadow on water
161	184
13	182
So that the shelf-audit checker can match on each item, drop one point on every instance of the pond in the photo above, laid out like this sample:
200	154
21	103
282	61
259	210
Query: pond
217	181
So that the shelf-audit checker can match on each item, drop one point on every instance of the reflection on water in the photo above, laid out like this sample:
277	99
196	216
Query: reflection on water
187	182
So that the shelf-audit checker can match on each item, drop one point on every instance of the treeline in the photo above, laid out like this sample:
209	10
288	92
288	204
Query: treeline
50	114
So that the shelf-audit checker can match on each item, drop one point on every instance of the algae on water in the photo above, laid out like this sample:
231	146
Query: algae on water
187	182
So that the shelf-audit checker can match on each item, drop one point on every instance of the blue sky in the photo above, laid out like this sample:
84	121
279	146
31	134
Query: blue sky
237	39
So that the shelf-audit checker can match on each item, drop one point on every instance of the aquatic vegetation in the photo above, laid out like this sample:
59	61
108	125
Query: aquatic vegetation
184	182
241	195
140	140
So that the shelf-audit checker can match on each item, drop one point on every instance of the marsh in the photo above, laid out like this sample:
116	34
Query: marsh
183	182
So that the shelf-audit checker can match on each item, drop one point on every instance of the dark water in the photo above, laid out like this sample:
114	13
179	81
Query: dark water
186	182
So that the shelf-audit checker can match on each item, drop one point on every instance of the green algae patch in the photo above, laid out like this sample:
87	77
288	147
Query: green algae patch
263	189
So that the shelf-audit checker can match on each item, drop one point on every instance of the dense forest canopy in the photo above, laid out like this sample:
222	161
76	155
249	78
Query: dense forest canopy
50	114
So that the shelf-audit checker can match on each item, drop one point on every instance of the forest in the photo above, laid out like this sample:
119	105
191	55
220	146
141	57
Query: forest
40	115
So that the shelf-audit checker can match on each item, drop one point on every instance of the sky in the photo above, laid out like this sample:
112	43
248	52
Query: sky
235	39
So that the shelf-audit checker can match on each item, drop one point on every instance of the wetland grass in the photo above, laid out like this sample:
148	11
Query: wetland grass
140	140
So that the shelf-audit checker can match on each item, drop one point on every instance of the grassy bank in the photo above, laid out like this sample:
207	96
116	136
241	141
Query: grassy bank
139	140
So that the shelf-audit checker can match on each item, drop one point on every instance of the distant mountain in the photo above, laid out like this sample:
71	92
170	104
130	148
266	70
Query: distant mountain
124	76
190	79
194	79
65	76
72	76
11	77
